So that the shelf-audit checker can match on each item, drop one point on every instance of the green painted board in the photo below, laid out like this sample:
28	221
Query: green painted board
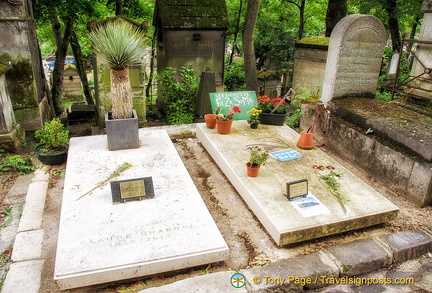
245	100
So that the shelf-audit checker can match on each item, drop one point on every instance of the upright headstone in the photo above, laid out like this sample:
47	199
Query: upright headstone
207	86
422	65
11	133
354	58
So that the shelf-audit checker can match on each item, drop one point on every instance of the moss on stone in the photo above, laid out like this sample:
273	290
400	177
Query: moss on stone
314	42
198	14
3	68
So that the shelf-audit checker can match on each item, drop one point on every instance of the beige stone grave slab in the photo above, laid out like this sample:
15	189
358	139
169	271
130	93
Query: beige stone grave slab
102	242
265	194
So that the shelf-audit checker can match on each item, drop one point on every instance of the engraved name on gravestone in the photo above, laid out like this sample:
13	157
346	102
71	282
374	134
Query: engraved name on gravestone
354	58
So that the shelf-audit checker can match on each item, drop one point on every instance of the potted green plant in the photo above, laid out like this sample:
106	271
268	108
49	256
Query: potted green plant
307	96
121	44
53	143
254	119
257	159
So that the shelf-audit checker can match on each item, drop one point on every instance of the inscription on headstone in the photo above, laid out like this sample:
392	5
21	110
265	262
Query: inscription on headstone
354	58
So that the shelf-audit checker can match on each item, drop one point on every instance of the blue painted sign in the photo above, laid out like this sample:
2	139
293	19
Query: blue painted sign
286	155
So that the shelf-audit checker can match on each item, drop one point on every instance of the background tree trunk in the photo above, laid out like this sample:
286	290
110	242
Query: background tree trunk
119	7
301	19
76	48
237	29
248	45
62	43
393	24
336	10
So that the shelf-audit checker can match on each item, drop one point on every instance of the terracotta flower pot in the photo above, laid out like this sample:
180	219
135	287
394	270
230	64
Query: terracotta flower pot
252	171
210	120
306	140
223	126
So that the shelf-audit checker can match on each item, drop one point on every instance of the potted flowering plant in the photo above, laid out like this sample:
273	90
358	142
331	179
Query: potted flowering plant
256	160
224	121
254	119
273	110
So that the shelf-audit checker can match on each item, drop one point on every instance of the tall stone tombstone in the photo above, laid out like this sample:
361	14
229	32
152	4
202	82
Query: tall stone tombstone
422	86
10	132
354	58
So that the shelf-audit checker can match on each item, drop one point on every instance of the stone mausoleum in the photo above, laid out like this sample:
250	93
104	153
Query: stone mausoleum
191	32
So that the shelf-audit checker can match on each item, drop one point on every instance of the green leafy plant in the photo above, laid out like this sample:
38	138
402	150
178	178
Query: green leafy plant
54	135
257	157
8	215
293	119
3	278
121	44
179	89
60	173
306	94
16	163
235	76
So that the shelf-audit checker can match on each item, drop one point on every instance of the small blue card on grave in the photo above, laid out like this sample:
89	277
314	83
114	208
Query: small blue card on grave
286	155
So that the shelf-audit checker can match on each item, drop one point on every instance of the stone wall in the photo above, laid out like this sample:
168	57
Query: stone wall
309	65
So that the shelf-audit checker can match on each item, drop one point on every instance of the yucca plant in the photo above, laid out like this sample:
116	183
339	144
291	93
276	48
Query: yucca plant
120	44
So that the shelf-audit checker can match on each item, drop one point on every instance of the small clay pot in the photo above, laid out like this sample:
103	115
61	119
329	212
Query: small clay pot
252	171
223	126
210	120
306	140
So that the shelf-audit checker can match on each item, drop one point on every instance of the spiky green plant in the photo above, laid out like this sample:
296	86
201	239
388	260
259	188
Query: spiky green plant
120	44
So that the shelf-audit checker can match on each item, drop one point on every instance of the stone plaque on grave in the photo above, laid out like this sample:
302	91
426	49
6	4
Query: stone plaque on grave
354	58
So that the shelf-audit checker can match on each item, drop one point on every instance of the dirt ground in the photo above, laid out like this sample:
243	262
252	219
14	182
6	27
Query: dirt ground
248	242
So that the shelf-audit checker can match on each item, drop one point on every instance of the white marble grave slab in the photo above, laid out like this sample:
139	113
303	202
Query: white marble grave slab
265	194
102	242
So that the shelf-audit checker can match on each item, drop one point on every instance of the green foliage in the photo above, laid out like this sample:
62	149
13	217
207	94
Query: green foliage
235	76
120	43
293	120
179	90
385	96
257	156
60	173
16	163
3	278
53	134
9	216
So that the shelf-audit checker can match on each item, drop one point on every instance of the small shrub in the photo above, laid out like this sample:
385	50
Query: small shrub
17	164
53	134
179	90
235	76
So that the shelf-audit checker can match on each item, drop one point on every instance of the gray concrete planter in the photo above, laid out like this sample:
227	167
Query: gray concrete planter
122	133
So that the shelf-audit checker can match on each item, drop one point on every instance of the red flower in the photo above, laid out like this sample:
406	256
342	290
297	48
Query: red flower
237	109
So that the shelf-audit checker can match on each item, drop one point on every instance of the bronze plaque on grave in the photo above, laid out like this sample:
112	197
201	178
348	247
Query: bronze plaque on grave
132	189
297	188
